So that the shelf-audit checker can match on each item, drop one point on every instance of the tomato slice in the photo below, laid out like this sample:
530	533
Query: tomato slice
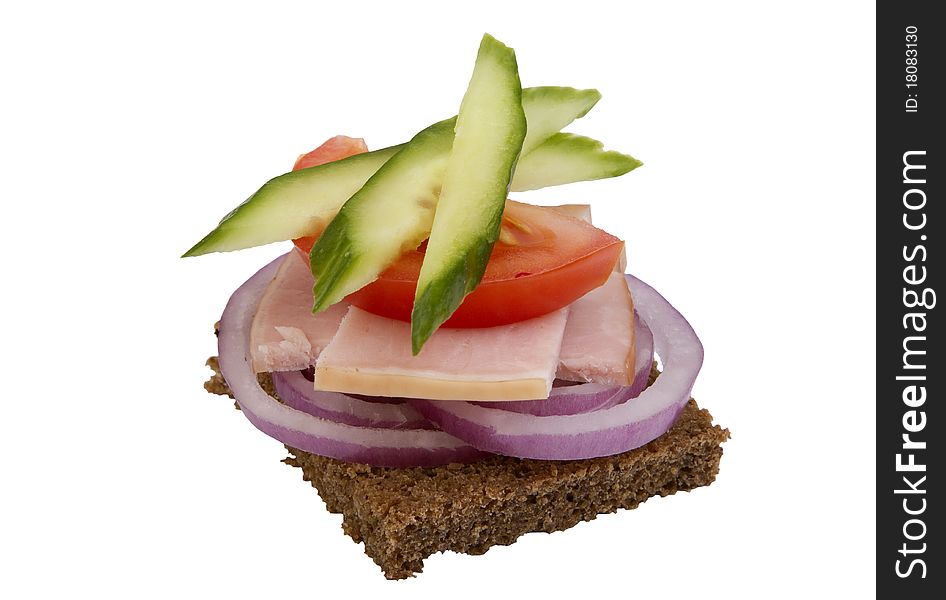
543	260
336	148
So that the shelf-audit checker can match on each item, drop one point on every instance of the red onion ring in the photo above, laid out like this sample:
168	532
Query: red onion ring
586	397
297	391
603	432
374	446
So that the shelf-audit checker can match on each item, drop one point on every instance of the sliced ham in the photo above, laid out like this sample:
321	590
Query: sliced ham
599	337
372	355
286	336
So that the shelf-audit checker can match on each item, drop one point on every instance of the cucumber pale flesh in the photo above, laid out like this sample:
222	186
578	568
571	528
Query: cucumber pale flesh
568	158
552	108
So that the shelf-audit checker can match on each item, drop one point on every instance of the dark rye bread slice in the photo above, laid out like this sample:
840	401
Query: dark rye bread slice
405	515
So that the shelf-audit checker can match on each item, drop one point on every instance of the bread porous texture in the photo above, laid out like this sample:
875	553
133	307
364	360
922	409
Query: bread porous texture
404	515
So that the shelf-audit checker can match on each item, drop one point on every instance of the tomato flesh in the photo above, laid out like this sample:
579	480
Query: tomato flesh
544	260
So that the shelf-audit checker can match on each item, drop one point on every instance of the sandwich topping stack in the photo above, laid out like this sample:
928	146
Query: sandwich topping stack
448	367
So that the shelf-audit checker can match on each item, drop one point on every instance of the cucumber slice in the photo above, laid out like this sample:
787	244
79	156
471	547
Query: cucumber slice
567	158
291	205
394	210
552	108
490	131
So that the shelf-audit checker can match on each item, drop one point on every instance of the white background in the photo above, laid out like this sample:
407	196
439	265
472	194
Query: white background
126	132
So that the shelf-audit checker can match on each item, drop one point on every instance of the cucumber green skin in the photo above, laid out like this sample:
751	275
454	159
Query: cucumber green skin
343	262
568	158
284	209
491	128
288	206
